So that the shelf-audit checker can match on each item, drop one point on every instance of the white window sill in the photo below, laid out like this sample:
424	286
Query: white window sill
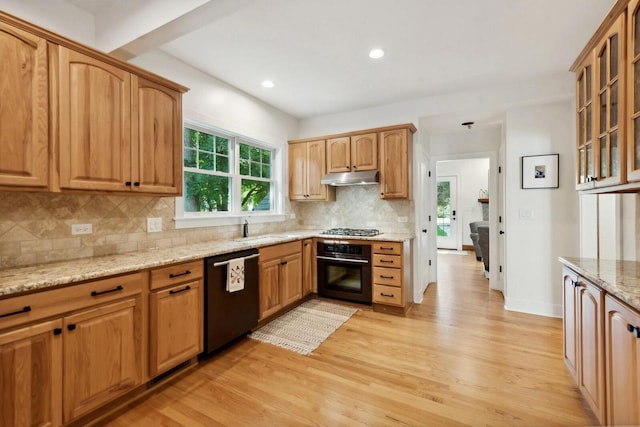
202	221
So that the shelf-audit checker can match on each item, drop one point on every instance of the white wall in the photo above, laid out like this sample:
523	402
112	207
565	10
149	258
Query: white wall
534	245
55	15
473	175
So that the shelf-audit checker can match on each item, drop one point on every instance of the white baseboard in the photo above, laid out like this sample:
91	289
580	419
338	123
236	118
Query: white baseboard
533	307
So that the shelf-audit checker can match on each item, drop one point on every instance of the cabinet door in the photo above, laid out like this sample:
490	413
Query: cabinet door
291	278
102	355
95	130
31	376
591	347
24	109
633	91
338	155
298	171
585	125
156	138
307	266
316	167
569	280
622	343
364	152
610	71
270	295
175	326
394	164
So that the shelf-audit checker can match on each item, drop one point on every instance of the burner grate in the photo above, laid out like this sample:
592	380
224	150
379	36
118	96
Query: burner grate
360	232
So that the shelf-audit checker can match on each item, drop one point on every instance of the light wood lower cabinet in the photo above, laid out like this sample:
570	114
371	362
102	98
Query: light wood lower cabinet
622	344
308	262
390	274
102	356
176	315
280	270
602	350
31	375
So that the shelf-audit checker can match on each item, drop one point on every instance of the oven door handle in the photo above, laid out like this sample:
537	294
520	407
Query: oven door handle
356	261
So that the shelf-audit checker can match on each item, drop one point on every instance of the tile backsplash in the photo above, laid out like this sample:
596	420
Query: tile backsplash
35	228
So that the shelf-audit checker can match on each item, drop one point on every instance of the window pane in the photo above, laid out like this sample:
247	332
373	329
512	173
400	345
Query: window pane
266	157
222	145
581	167
636	142
255	169
588	123
190	138
190	158
244	167
581	91
636	35
205	161
205	141
222	164
613	152
636	87
256	195
603	68
613	115
244	151
266	171
255	154
581	129
206	193
589	161
603	157
588	84
603	112
614	56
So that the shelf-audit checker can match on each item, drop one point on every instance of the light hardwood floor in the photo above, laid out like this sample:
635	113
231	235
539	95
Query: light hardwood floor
457	359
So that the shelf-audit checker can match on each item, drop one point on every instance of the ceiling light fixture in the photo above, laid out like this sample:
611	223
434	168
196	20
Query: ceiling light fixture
376	53
468	124
268	84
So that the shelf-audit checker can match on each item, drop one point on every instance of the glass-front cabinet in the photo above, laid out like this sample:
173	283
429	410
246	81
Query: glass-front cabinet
610	70
584	120
633	105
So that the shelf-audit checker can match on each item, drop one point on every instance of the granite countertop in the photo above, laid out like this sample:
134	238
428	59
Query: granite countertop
618	278
42	276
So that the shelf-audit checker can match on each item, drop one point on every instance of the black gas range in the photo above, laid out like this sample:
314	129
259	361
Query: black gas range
358	232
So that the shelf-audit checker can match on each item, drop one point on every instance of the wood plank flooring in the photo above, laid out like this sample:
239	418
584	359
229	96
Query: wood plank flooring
457	359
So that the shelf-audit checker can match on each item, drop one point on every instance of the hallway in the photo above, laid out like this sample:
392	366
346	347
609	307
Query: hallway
457	359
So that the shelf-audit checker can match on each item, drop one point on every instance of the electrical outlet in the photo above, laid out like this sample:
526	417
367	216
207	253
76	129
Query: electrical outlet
154	225
81	229
403	219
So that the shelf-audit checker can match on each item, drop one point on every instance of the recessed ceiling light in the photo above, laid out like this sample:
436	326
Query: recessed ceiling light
268	84
376	53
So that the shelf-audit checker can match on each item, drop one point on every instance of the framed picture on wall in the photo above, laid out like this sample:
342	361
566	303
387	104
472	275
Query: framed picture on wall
540	171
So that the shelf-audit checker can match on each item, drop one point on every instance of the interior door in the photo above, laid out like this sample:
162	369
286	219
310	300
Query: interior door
446	213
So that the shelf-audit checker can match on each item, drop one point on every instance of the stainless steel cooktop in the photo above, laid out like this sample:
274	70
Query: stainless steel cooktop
360	232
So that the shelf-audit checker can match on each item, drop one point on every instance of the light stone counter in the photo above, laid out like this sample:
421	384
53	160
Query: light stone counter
37	277
618	278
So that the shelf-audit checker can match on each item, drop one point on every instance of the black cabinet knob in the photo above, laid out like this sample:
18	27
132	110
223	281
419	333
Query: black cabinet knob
424	230
501	232
71	327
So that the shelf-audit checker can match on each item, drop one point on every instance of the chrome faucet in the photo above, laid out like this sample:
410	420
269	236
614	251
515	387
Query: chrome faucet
245	228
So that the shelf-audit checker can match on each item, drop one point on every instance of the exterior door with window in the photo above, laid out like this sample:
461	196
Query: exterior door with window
446	218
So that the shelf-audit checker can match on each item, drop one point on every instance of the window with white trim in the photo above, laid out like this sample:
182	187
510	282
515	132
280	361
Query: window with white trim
226	175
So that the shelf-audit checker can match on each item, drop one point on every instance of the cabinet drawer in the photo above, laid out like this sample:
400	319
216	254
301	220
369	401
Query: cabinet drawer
388	248
387	276
387	295
279	251
27	308
178	273
394	261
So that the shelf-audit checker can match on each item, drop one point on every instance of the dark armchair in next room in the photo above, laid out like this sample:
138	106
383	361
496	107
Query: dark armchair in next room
473	226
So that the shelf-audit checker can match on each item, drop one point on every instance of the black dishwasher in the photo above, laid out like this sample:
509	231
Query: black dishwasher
229	315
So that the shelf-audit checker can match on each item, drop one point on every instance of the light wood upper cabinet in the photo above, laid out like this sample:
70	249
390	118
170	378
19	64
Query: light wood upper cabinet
24	110
307	166
339	155
633	91
622	343
352	153
156	129
102	355
585	125
95	127
31	375
395	167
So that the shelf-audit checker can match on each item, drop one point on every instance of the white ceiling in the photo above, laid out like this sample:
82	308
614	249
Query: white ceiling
316	50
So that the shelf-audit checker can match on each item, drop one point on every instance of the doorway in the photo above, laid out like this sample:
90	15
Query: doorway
448	233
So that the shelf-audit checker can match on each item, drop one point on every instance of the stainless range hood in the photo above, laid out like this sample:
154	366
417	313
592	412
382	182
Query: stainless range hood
341	179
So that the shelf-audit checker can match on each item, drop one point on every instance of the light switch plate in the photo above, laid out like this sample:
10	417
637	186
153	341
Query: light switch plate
526	214
403	219
154	225
81	229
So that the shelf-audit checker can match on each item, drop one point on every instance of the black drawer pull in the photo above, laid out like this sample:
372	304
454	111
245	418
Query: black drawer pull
384	248
24	310
186	288
173	276
71	327
386	295
116	289
386	277
635	330
387	261
57	331
137	184
128	183
630	327
283	263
